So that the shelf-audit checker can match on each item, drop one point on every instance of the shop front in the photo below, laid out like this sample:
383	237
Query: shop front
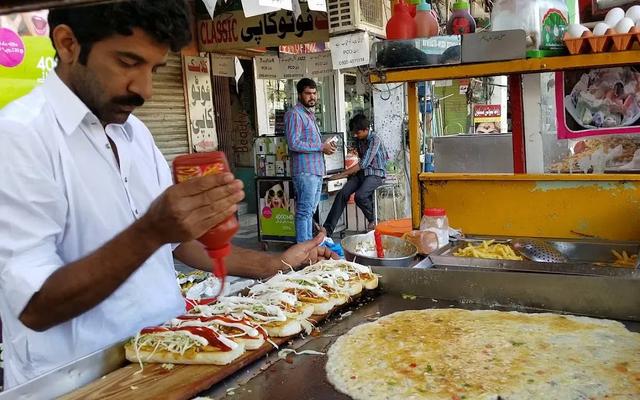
263	88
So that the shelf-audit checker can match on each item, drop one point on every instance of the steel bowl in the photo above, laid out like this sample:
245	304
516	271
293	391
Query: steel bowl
361	249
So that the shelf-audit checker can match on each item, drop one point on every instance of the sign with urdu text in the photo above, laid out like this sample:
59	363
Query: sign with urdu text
231	30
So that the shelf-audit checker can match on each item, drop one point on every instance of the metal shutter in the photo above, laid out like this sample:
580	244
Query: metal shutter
165	114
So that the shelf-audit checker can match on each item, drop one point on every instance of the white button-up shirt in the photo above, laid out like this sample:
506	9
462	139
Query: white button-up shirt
62	196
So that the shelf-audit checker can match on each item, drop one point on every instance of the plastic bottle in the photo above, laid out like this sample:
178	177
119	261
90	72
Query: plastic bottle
217	240
435	220
461	21
401	25
426	21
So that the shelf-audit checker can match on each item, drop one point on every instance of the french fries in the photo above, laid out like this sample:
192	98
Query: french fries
624	259
489	250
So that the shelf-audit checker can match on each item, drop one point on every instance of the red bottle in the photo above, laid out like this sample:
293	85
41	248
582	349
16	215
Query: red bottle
217	240
401	25
426	21
461	21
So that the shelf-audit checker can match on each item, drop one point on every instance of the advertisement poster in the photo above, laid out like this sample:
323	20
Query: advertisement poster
26	53
596	10
487	118
598	102
276	207
202	127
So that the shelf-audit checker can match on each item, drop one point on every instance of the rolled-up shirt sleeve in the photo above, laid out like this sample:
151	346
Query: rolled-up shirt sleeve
32	215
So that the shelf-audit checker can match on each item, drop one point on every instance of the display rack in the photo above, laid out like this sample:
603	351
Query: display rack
514	70
526	66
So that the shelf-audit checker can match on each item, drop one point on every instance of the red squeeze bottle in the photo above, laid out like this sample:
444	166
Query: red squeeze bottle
378	238
401	25
216	240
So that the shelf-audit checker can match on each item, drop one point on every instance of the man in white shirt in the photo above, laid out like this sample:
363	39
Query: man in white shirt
88	213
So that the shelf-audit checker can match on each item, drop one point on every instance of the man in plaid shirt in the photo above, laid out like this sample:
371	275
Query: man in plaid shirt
307	160
364	177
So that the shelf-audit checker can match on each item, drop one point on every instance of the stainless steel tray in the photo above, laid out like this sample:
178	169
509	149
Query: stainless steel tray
585	257
303	377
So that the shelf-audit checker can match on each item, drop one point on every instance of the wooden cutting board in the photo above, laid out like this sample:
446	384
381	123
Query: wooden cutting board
182	382
155	382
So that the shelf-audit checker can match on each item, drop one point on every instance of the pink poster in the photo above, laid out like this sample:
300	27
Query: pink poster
598	102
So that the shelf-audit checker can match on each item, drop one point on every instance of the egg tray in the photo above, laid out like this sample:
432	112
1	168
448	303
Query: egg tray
602	44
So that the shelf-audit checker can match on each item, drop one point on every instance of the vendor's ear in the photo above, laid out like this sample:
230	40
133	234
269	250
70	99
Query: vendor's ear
66	44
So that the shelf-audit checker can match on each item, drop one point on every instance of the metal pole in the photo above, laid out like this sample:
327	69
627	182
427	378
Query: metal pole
414	152
517	124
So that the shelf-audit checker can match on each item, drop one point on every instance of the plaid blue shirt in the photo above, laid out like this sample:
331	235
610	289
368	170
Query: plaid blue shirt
373	155
305	142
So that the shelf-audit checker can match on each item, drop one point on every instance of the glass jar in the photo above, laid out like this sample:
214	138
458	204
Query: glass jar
435	220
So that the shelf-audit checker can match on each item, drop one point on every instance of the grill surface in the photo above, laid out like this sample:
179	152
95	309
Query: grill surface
304	376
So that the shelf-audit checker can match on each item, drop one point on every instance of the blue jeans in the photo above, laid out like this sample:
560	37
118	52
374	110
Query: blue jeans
308	188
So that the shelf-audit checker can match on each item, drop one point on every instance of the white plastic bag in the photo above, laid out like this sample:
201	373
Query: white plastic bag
544	21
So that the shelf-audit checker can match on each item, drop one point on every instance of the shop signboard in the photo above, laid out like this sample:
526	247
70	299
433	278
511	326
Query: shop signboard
201	124
595	102
302	48
487	118
223	65
268	67
276	208
231	30
293	66
26	53
319	64
349	51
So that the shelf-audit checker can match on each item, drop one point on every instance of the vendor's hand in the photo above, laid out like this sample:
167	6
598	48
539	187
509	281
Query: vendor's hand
187	210
303	254
329	147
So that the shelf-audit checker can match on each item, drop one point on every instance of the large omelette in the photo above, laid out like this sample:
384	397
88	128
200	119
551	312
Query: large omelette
454	354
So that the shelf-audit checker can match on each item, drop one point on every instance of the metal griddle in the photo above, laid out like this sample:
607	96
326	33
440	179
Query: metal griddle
612	297
303	377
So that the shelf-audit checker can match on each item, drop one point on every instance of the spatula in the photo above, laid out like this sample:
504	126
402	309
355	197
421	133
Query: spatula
538	250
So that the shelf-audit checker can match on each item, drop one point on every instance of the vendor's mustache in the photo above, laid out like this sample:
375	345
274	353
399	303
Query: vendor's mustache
132	100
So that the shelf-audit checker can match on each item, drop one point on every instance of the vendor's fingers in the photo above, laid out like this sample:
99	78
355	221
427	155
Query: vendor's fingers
230	193
202	220
201	184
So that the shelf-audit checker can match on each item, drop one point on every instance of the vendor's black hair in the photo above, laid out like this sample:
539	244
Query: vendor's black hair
305	83
359	123
167	22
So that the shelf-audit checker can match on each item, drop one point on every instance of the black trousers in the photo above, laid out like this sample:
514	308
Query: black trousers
363	187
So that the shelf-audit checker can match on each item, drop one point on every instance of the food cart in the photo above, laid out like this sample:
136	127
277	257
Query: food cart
551	206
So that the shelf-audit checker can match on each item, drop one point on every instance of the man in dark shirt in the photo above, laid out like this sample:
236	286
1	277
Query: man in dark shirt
364	177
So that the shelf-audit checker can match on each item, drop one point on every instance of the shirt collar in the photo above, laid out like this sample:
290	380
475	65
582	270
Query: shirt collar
70	111
306	110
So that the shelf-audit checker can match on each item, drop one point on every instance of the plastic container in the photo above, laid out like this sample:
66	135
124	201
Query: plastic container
426	21
401	25
544	21
461	21
217	240
435	220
